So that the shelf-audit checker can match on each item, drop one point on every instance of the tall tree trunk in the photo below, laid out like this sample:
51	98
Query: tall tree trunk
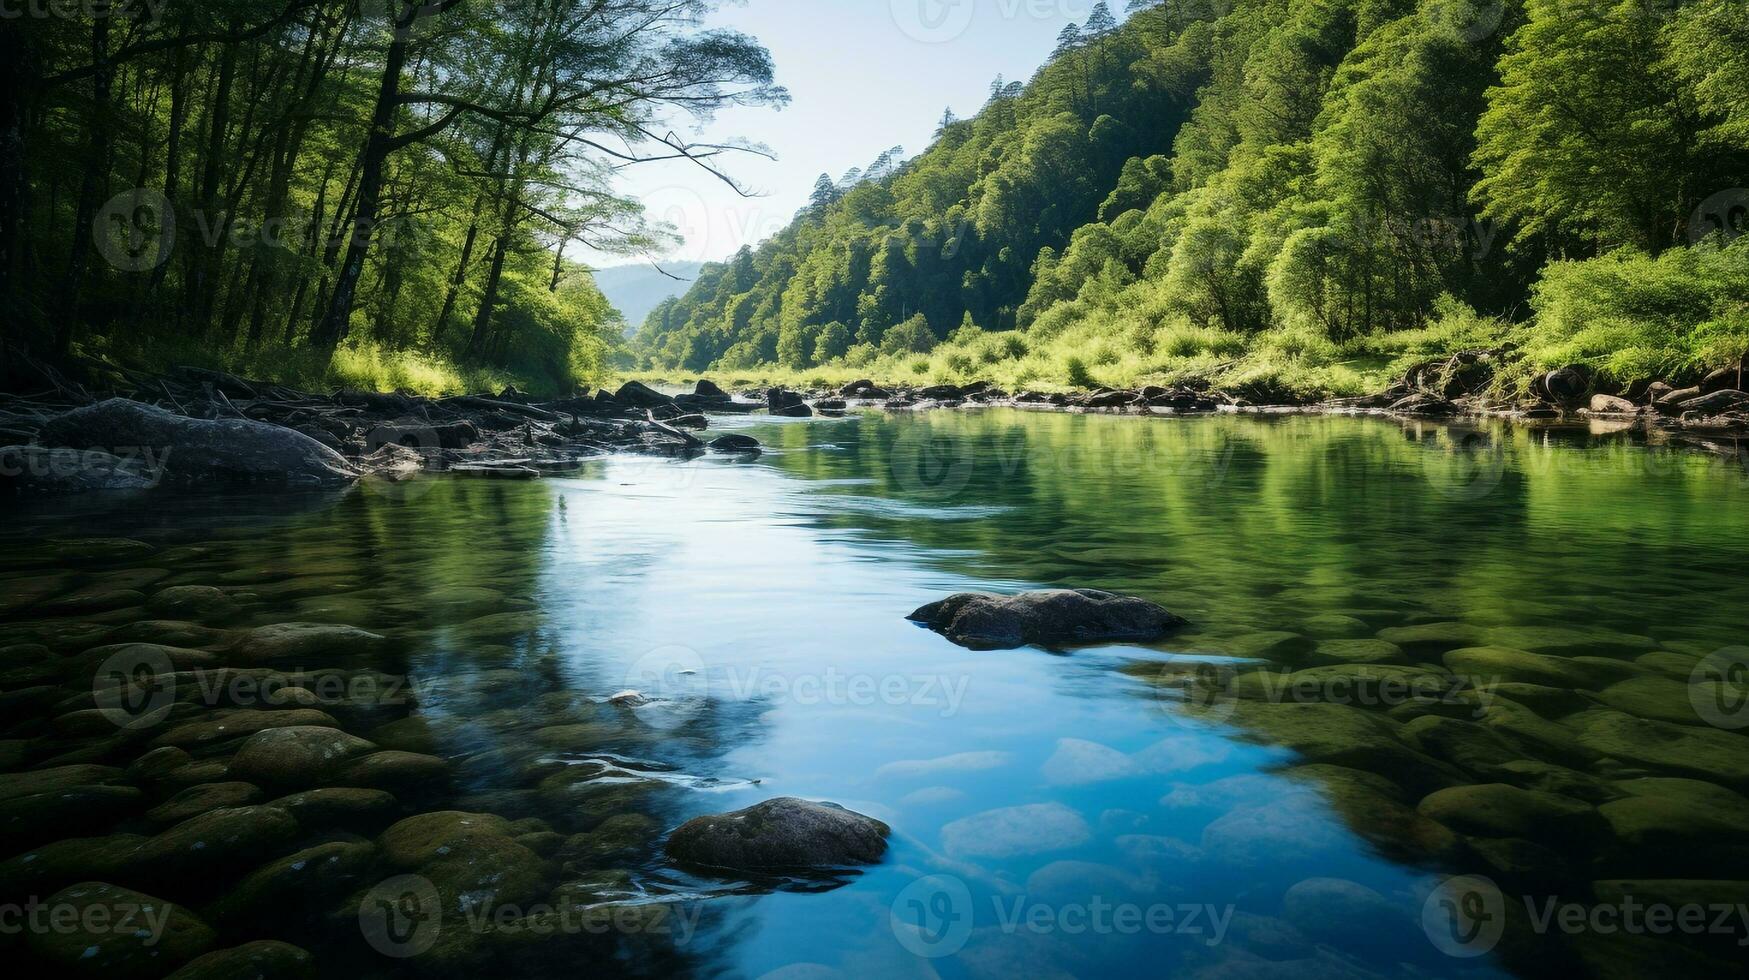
90	185
16	72
203	280
336	322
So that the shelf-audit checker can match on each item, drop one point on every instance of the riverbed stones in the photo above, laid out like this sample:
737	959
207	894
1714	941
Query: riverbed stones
313	642
100	943
780	833
1504	810
305	877
266	959
196	800
394	770
734	442
337	807
1674	826
1570	641
1357	651
66	812
241	722
1703	753
1485	665
203	453
1660	698
1432	639
213	841
985	621
293	757
198	601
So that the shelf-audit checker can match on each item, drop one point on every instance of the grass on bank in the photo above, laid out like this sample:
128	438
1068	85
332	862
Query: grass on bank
1628	315
360	366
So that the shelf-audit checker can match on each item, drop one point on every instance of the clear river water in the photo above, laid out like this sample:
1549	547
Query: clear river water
1416	651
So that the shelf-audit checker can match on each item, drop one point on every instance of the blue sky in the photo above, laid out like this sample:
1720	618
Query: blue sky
864	75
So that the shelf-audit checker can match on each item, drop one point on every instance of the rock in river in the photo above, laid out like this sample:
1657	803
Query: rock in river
201	450
780	833
119	933
984	621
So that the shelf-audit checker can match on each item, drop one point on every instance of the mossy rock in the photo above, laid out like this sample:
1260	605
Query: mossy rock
168	632
334	807
222	726
1374	808
1358	651
312	643
1570	641
1704	753
112	951
1274	645
196	800
194	601
1503	810
34	781
217	840
1675	827
396	771
265	959
1465	744
68	812
1485	666
50	866
1432	639
419	839
1336	626
295	757
1660	698
303	879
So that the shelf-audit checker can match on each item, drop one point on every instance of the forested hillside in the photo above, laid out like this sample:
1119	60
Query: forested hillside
372	192
1292	194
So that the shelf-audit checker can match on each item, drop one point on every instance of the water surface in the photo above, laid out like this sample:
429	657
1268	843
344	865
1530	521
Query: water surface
1122	810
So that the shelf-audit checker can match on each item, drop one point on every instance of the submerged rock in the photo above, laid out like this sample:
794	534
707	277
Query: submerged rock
265	959
99	944
778	834
201	451
296	756
735	443
986	621
41	469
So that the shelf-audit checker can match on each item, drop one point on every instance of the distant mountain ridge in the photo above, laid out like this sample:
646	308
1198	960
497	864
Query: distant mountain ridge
635	290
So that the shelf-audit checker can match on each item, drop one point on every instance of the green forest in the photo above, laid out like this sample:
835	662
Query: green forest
1290	197
372	193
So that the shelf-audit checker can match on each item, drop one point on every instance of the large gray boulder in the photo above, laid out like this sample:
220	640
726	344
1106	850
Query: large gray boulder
201	451
42	469
985	621
783	833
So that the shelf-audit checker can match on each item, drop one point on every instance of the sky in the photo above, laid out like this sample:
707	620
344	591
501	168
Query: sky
863	76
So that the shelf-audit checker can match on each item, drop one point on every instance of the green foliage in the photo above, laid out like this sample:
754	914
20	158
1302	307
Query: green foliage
1299	196
1638	318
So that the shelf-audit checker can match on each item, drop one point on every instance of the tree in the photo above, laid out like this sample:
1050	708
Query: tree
1100	21
1068	39
833	342
1590	140
914	336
